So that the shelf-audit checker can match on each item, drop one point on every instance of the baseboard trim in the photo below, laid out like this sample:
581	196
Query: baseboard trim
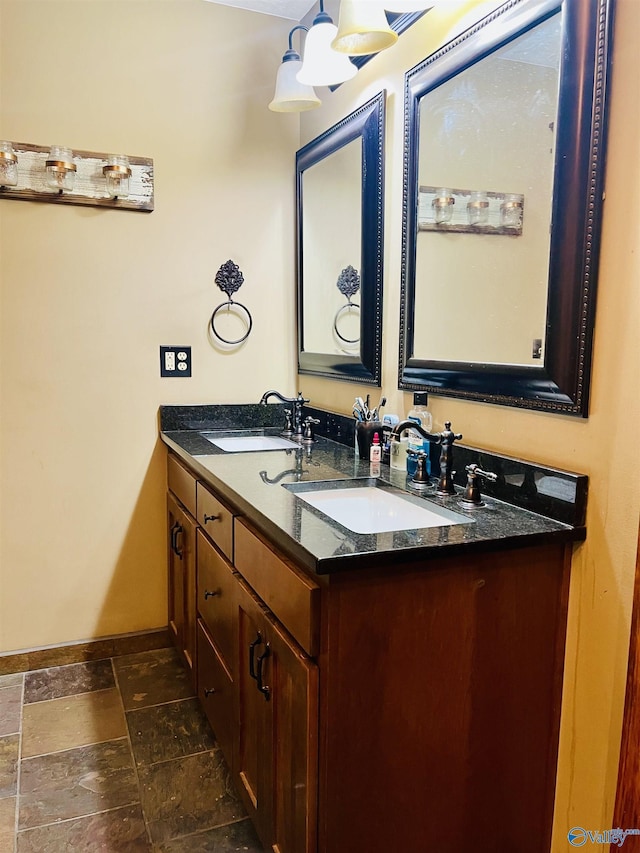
83	650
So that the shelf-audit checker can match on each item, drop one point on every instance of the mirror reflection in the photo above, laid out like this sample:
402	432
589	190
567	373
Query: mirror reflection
339	194
487	141
331	210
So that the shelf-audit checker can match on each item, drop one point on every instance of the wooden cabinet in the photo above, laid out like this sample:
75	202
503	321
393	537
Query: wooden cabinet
408	707
182	581
277	715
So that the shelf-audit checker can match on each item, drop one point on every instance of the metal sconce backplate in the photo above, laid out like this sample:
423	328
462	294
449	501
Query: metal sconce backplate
89	186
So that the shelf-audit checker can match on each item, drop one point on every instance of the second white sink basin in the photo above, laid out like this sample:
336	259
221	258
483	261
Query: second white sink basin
246	443
363	507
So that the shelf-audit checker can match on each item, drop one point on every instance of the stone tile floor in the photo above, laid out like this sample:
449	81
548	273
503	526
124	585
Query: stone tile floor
113	756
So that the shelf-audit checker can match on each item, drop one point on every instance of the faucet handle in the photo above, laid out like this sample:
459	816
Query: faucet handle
308	429
288	423
472	497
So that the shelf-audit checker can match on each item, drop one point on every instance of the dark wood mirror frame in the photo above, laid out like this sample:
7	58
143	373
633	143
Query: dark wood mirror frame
561	385
365	123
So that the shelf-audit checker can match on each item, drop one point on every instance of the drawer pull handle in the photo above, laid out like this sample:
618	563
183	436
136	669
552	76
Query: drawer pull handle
266	691
252	652
209	593
209	691
208	518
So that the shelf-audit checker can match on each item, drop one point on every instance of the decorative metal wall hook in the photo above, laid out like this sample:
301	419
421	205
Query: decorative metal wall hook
348	284
229	279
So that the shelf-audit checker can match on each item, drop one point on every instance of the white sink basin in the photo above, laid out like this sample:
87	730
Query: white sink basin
246	443
364	507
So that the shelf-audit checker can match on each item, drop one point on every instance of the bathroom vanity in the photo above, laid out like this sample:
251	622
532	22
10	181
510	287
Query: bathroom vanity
374	691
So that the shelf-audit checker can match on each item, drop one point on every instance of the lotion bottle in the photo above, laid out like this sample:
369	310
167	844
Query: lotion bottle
375	451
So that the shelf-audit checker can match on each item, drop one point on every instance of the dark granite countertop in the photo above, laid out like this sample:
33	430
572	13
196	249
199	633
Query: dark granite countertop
253	483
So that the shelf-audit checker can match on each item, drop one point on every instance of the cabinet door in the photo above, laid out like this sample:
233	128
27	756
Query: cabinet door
182	581
215	691
254	714
278	723
293	679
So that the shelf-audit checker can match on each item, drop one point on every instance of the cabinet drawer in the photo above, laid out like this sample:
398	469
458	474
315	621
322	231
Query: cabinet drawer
182	483
215	519
292	596
215	597
215	691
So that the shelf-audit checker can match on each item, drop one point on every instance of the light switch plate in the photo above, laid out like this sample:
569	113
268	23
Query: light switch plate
175	361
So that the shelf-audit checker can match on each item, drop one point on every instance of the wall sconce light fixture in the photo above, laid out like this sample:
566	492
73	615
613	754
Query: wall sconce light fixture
8	165
362	28
292	96
56	174
321	65
60	170
116	174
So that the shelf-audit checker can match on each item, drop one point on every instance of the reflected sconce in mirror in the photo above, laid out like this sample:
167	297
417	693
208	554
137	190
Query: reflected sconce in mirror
363	28
59	175
470	211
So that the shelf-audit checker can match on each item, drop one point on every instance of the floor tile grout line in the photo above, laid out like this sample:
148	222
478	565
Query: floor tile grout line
197	832
69	696
159	704
214	748
133	757
71	748
63	820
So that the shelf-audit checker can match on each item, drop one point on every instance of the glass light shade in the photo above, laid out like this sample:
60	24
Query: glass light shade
60	170
291	96
321	65
116	174
362	28
8	165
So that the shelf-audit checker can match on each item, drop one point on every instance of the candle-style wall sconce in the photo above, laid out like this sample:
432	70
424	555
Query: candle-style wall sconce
470	211
60	175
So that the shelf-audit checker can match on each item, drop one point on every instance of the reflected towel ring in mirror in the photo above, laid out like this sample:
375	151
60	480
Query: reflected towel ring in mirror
348	284
229	279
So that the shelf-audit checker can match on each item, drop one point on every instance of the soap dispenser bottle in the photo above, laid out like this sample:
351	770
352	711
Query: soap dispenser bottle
421	415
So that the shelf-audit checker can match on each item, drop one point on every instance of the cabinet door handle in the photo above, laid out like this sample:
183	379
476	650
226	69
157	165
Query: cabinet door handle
266	691
208	518
208	593
174	528
209	691
252	652
179	531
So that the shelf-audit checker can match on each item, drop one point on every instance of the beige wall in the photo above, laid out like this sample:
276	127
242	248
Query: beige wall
604	446
88	295
81	506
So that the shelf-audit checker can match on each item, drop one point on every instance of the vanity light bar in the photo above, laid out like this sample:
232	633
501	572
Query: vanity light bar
470	211
78	177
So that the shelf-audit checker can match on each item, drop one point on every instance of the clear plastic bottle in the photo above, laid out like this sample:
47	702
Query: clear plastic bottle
421	415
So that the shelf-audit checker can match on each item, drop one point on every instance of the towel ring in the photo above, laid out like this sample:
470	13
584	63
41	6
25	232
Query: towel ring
348	284
228	306
229	279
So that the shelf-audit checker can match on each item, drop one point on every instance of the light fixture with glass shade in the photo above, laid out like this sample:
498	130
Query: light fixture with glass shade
321	65
60	170
8	165
116	175
292	96
363	28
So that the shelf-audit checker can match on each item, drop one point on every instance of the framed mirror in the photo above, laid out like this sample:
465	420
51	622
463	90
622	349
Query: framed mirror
503	183
339	206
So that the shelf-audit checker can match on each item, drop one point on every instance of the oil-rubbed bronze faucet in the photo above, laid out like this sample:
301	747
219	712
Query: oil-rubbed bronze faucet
298	402
445	439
